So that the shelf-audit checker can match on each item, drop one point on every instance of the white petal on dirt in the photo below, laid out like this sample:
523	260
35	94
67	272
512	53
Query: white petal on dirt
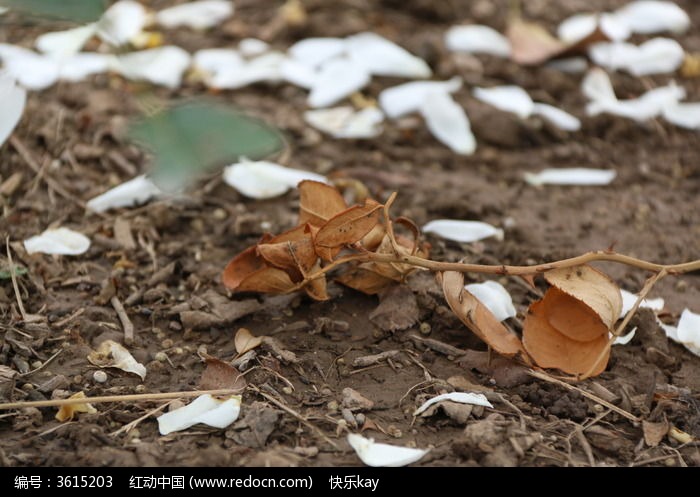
648	106
264	68
649	16
475	399
495	297
12	101
84	64
685	115
629	298
161	66
262	179
65	43
687	332
31	70
298	73
59	241
315	51
382	57
337	79
462	231
196	15
3	10
579	26
121	22
448	122
134	192
383	455
345	122
408	97
509	98
476	38
215	60
625	339
111	354
205	409
570	65
596	86
252	47
571	176
561	119
656	56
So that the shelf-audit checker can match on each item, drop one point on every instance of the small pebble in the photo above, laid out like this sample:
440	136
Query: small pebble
167	343
161	356
99	376
360	418
332	406
287	390
77	379
37	364
425	328
140	388
219	214
27	387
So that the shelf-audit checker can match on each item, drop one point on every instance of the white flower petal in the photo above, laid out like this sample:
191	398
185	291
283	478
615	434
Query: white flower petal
558	117
134	192
216	60
476	399
408	97
161	66
685	115
196	15
629	298
448	122
111	354
205	409
12	101
509	98
625	339
477	39
659	55
596	86
686	333
571	176
265	68
315	51
298	73
495	297
345	122
65	43
60	241
84	64
262	179
578	26
648	16
571	65
3	10
462	231
383	455
337	79
382	57
32	70
614	28
252	47
121	22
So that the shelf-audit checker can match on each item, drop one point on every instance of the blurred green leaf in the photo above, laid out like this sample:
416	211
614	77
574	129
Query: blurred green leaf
6	275
81	11
193	137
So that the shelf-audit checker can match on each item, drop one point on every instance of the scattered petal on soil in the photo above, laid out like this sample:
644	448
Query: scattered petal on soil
477	39
462	231
68	412
111	354
571	176
476	399
205	409
262	179
196	15
383	455
60	241
133	192
495	297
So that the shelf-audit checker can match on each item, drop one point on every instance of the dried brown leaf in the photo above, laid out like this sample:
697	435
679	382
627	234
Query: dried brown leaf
316	288
374	238
477	317
551	349
654	433
318	203
571	317
219	375
364	280
241	267
67	412
591	287
267	280
347	227
291	251
245	341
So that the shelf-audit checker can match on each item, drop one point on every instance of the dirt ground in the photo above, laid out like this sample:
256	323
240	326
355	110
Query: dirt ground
167	272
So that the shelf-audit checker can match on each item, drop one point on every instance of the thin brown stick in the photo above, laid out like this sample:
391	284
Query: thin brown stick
15	286
124	318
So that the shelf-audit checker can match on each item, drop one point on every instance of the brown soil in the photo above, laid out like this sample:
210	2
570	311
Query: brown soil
178	249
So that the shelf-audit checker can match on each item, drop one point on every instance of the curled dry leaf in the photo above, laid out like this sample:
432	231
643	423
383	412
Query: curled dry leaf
346	228
248	272
318	203
291	251
245	341
365	279
67	412
219	375
477	317
111	354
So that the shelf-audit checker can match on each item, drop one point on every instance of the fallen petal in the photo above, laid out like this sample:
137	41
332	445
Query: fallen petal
213	61
579	26
205	409
462	231
68	412
409	97
337	79
507	98
383	455
134	192
571	176
345	122
65	43
656	56
649	16
629	299
687	333
298	73
685	115
252	47
596	86
161	66
561	119
81	65
12	101
196	15
315	51
264	68
31	70
111	354
60	241
625	339
381	57
477	39
476	399
646	107
262	179
122	22
495	297
571	65
448	122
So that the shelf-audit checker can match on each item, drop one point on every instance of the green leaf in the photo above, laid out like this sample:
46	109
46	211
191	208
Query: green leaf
6	275
81	11
193	137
